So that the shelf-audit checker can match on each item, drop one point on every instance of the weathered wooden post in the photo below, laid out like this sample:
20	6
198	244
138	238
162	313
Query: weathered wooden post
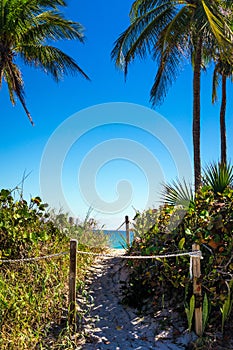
197	291
127	230
72	282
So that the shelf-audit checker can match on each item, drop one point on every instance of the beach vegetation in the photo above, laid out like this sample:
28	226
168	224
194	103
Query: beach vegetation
207	221
34	293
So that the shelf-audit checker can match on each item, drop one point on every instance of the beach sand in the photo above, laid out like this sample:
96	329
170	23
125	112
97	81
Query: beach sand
110	325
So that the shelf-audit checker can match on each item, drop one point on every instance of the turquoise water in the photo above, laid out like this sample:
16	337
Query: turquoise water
117	239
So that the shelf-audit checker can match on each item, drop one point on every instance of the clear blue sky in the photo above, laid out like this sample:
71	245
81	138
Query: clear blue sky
50	104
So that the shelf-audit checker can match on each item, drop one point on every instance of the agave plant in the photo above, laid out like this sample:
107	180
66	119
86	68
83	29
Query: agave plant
178	193
218	176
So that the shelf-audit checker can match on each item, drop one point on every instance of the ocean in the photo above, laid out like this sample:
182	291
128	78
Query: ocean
117	239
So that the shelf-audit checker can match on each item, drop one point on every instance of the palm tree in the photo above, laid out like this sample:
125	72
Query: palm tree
27	27
172	31
222	71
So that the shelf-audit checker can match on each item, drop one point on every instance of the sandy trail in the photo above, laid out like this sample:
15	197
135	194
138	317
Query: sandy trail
110	325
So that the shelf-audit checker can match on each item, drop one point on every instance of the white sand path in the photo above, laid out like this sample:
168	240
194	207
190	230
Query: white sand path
110	325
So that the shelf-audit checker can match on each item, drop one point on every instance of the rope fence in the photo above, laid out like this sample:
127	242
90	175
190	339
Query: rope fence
192	254
22	260
195	272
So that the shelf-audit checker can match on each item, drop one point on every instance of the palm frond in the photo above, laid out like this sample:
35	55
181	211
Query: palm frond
141	35
171	51
141	6
51	60
14	81
216	24
51	3
51	25
167	73
178	193
149	34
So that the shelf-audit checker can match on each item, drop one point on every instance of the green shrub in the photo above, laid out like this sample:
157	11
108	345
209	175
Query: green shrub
33	295
209	222
25	228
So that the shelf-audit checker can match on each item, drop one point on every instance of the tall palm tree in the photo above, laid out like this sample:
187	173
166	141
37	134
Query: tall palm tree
222	71
27	28
172	31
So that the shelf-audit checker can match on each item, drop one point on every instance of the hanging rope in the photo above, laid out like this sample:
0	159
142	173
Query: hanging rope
5	261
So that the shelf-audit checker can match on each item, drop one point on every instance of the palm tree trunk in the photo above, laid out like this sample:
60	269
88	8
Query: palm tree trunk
223	121
196	114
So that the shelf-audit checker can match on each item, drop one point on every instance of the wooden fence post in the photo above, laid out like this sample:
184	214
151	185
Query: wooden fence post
72	282
127	230
197	291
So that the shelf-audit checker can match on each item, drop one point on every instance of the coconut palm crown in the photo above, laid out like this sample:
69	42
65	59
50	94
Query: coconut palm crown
27	29
171	32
